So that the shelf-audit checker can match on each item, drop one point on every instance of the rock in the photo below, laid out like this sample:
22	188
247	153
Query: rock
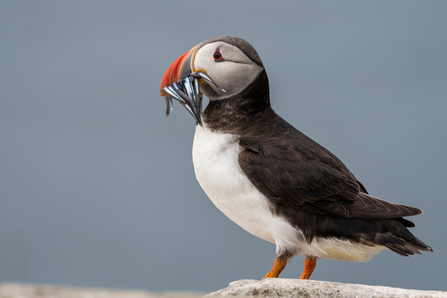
12	290
281	287
253	288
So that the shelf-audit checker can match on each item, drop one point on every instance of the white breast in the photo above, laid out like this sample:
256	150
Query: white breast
215	157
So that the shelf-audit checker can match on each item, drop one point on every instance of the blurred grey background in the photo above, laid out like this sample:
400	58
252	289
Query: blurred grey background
97	187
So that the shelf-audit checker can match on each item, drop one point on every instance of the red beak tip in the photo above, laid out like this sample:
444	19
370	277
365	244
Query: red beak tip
173	73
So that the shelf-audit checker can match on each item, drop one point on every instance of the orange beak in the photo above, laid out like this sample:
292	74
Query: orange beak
181	68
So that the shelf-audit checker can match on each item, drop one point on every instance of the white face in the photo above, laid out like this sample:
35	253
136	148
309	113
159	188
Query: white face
233	74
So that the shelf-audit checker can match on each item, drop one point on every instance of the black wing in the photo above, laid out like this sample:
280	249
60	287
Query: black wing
291	169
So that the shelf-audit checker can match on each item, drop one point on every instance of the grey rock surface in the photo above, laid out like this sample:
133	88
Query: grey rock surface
11	290
281	287
252	288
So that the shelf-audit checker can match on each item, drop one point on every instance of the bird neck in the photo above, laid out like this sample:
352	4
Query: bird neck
236	113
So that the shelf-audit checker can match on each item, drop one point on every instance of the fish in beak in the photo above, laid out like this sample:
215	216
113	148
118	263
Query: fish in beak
182	83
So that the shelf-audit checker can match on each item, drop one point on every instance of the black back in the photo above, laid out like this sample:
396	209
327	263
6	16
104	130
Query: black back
304	182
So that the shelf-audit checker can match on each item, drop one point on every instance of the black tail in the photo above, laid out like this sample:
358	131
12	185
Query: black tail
400	240
391	233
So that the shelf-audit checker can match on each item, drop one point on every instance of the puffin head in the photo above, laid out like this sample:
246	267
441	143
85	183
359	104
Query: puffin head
230	62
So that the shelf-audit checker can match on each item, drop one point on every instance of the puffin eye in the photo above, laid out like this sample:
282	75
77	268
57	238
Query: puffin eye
218	56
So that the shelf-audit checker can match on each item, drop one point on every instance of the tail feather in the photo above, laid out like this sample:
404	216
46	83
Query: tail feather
406	222
401	240
391	233
406	249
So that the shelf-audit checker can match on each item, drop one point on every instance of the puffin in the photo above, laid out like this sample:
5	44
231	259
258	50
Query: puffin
268	177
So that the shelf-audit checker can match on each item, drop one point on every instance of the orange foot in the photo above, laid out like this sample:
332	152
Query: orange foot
277	269
309	266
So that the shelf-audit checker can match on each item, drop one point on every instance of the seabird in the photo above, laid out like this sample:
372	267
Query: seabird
270	178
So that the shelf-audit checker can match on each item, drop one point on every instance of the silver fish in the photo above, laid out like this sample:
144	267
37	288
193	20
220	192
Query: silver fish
187	92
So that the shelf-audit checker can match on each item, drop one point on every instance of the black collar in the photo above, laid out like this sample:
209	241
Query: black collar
238	112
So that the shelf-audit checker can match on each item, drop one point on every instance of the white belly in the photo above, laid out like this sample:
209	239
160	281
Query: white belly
215	157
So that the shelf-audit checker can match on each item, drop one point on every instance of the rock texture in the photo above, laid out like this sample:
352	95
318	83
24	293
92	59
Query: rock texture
10	290
281	287
252	288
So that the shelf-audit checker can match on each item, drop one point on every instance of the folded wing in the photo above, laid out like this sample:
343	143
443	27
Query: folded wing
310	183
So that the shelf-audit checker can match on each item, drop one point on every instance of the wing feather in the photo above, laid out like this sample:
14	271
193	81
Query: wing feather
317	185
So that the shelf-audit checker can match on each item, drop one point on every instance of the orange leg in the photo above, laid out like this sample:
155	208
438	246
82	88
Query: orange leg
277	269
309	266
